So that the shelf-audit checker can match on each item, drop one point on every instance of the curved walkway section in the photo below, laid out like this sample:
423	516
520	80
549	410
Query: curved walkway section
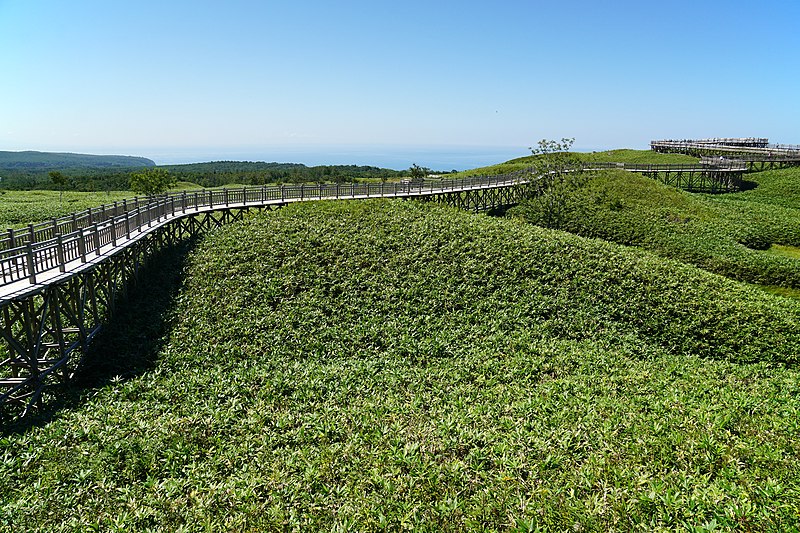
47	252
59	280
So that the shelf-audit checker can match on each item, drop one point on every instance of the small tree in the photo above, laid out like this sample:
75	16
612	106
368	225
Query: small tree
418	173
556	172
59	181
553	158
151	181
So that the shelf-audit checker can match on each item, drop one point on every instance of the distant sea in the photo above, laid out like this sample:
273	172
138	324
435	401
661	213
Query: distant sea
394	157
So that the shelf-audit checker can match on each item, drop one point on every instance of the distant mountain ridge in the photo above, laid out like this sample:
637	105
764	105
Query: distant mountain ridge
43	161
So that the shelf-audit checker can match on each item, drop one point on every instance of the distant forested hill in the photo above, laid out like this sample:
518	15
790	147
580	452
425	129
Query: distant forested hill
217	173
44	161
29	170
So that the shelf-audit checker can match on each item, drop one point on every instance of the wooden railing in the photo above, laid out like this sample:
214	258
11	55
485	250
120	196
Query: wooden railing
749	149
47	246
725	166
26	253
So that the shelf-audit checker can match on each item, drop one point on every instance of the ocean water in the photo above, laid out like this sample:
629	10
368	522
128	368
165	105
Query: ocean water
394	157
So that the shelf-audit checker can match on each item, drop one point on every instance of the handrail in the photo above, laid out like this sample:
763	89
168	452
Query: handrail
80	236
45	246
723	166
760	147
724	141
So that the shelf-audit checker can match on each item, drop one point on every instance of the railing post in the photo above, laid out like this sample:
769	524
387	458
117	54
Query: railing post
55	227
183	203
244	195
61	259
31	233
127	225
74	222
113	232
11	238
225	195
82	245
96	239
31	263
283	193
302	191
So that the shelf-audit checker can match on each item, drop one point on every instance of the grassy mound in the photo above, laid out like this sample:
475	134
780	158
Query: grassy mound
725	234
607	156
534	279
625	155
372	365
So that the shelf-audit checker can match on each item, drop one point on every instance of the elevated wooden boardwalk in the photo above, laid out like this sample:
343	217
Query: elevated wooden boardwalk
712	176
755	153
60	280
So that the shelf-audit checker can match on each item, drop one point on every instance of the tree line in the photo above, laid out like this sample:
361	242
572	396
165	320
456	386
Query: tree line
211	174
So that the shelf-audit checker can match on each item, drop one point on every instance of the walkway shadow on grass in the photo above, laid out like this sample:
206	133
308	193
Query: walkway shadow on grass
748	185
128	344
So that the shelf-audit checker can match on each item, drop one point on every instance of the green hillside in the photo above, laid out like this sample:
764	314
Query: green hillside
727	234
388	365
608	156
31	161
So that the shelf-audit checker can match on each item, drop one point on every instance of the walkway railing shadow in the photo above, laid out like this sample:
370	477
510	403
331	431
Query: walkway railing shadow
126	347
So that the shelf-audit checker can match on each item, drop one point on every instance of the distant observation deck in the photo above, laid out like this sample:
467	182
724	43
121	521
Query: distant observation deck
748	149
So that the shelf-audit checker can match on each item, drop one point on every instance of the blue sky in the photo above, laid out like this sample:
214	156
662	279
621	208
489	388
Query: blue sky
160	78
